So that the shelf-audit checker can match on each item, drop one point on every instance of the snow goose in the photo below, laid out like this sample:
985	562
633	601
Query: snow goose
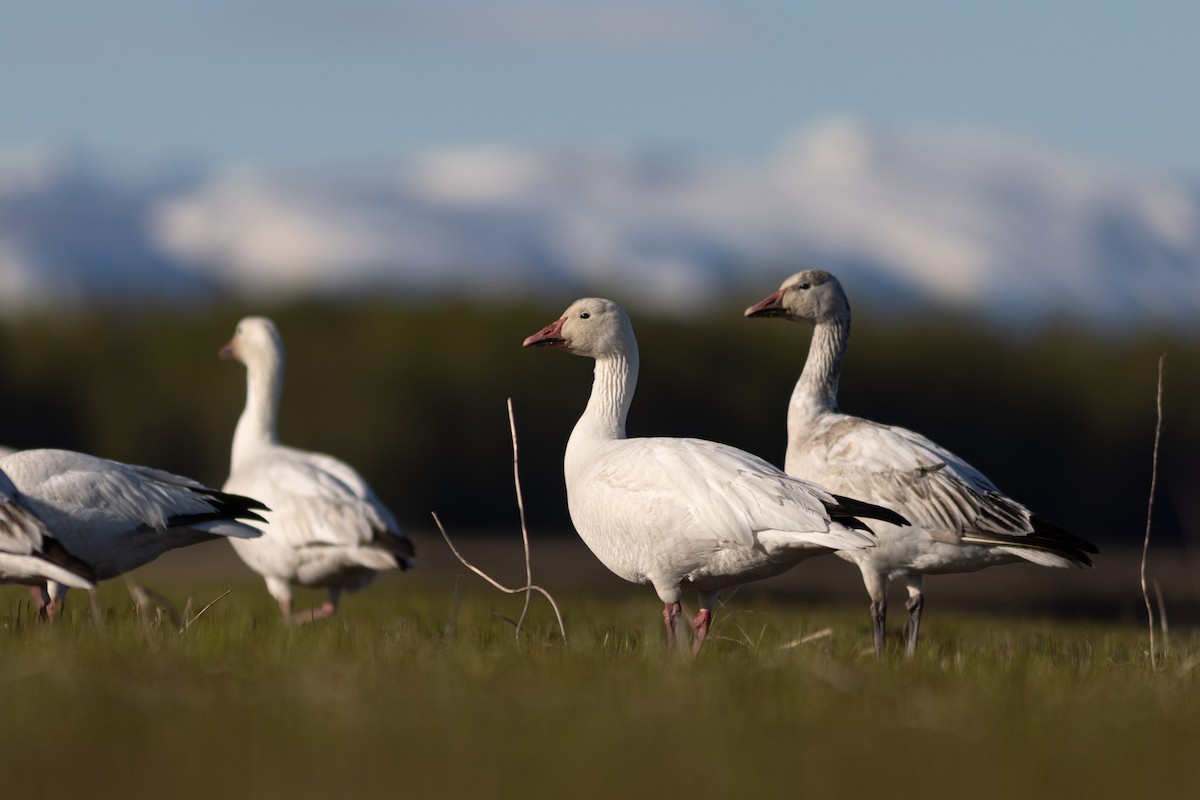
667	511
960	521
29	554
115	517
328	529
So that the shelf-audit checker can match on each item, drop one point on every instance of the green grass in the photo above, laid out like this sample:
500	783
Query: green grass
381	702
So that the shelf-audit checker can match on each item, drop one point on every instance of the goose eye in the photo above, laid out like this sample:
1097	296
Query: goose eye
805	286
584	315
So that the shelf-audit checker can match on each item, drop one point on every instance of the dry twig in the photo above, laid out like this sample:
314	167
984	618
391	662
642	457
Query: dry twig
199	613
512	427
529	586
821	634
1149	510
730	616
1162	620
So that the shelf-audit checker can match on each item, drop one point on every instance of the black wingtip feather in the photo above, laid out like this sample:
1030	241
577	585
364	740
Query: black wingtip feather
1051	532
1048	537
848	507
224	506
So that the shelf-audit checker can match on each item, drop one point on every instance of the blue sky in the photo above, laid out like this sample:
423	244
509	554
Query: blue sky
308	82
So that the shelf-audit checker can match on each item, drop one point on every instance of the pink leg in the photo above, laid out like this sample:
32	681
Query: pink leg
46	606
700	626
325	611
671	612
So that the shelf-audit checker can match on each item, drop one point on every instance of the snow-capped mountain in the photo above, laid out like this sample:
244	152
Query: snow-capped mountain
973	222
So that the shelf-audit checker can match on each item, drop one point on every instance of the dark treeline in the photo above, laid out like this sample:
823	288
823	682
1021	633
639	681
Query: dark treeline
414	397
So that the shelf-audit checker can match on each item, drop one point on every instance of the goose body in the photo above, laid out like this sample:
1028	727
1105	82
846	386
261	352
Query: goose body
115	517
328	529
960	521
671	512
29	554
666	512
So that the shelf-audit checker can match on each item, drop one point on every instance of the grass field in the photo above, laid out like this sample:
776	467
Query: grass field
385	701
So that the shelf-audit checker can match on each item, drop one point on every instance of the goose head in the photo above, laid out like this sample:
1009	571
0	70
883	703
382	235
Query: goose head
811	296
255	342
592	327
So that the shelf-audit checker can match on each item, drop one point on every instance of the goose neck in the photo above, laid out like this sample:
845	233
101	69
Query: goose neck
256	426
608	406
817	389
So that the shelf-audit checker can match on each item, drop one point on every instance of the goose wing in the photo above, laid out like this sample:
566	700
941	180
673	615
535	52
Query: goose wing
112	495
933	487
705	492
317	500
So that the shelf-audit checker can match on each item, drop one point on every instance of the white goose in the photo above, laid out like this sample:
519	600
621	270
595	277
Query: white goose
116	517
327	527
669	512
29	554
960	521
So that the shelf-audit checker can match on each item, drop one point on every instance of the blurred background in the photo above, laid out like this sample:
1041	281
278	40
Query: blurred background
1010	195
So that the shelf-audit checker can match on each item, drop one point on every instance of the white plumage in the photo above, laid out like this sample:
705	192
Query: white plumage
960	521
116	517
669	512
328	529
29	554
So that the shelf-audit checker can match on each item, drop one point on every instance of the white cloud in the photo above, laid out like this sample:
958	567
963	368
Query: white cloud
19	284
976	222
475	176
267	235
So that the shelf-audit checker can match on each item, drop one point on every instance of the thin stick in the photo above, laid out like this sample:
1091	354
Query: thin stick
821	634
1149	510
512	427
199	613
562	629
529	588
1162	620
731	617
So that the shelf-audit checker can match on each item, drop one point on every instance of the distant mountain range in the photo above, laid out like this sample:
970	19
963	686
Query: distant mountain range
969	222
